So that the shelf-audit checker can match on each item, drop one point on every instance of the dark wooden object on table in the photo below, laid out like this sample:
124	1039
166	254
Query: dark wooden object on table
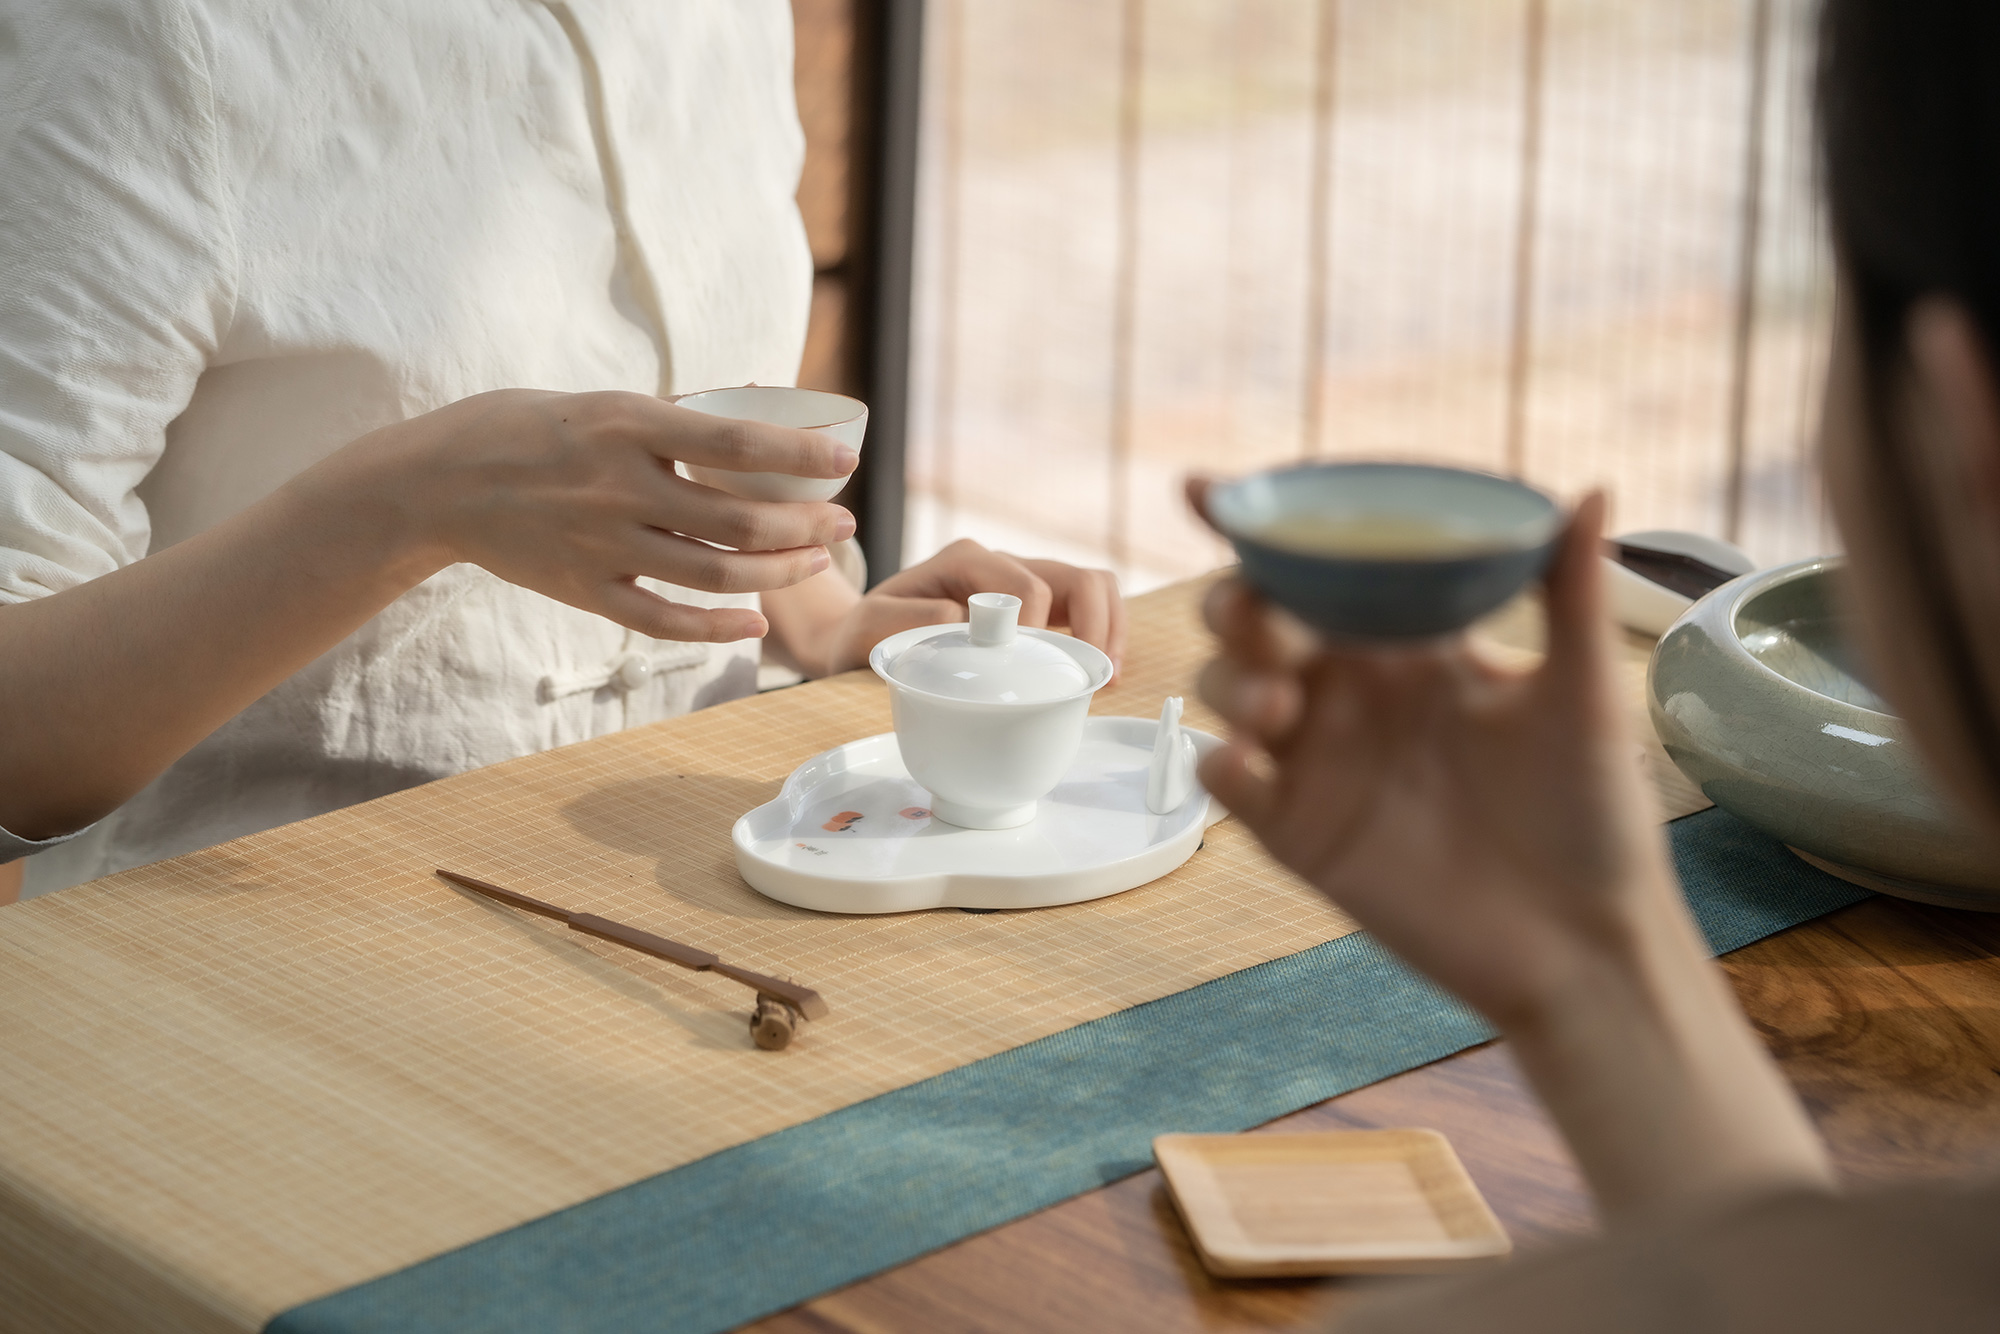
1682	573
773	1024
781	1005
1886	1015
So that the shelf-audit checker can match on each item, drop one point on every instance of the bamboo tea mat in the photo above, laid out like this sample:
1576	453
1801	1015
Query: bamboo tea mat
273	1070
772	1222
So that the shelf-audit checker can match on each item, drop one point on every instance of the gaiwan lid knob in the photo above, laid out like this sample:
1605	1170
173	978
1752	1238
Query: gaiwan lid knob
990	661
992	619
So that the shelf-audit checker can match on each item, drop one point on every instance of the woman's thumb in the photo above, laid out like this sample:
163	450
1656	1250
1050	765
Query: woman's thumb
1575	583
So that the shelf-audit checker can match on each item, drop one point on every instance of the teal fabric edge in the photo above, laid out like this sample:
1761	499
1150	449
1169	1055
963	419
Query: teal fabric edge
778	1220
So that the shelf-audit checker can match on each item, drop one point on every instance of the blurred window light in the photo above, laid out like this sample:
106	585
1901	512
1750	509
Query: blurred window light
1573	239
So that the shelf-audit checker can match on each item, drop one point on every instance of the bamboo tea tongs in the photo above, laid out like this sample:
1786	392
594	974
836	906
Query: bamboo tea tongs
781	1005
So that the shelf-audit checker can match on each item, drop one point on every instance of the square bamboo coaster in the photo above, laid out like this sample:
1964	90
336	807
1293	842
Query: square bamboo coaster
1335	1202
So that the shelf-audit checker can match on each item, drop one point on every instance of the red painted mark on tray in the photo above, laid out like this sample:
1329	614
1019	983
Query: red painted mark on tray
842	822
914	813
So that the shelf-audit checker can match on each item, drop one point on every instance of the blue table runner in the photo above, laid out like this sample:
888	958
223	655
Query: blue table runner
773	1222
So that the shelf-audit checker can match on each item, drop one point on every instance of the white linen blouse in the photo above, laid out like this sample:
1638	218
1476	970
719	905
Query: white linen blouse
236	234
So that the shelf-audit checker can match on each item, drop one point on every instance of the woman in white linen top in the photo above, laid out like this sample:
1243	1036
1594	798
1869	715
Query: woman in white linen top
235	237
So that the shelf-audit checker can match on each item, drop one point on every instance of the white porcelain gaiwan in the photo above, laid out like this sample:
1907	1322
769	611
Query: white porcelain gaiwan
989	714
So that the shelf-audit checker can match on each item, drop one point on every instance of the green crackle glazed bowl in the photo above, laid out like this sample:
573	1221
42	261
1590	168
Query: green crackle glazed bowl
1758	698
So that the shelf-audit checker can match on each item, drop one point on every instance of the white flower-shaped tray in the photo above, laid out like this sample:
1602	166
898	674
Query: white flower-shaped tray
851	832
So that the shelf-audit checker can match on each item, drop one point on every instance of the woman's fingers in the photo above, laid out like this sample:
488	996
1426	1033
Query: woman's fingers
1087	601
681	560
995	572
575	495
1228	775
1196	488
1265	705
1115	641
651	615
965	568
673	432
681	506
1255	632
645	480
1579	636
1081	599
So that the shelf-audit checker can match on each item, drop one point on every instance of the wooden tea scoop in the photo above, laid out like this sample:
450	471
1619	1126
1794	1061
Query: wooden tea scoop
781	1005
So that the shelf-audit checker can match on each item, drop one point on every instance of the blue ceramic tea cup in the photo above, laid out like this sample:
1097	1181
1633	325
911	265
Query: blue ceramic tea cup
1386	550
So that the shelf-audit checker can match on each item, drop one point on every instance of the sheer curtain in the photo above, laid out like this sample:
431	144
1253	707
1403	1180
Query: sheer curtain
1573	239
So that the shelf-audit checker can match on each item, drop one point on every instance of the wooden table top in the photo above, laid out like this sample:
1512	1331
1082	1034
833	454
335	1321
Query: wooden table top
1885	1015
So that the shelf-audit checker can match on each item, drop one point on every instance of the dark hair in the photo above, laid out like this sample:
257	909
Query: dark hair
1909	123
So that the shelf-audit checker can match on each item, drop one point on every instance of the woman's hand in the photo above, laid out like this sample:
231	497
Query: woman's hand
104	685
1490	825
575	496
1492	828
836	633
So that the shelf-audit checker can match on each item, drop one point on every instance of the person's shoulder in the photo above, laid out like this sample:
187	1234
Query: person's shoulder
35	26
80	49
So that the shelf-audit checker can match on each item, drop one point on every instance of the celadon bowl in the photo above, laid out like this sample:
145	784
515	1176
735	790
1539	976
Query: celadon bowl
1511	529
1758	698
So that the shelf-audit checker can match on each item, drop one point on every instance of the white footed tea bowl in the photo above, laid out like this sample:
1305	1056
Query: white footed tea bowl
1758	699
837	415
989	714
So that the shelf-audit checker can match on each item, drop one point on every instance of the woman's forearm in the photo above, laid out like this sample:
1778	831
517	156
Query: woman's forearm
104	685
1659	1083
806	617
574	496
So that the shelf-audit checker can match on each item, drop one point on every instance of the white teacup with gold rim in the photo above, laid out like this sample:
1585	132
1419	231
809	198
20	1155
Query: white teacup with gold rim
988	714
837	415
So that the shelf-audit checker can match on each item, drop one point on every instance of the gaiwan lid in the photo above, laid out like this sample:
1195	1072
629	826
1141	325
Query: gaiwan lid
990	662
